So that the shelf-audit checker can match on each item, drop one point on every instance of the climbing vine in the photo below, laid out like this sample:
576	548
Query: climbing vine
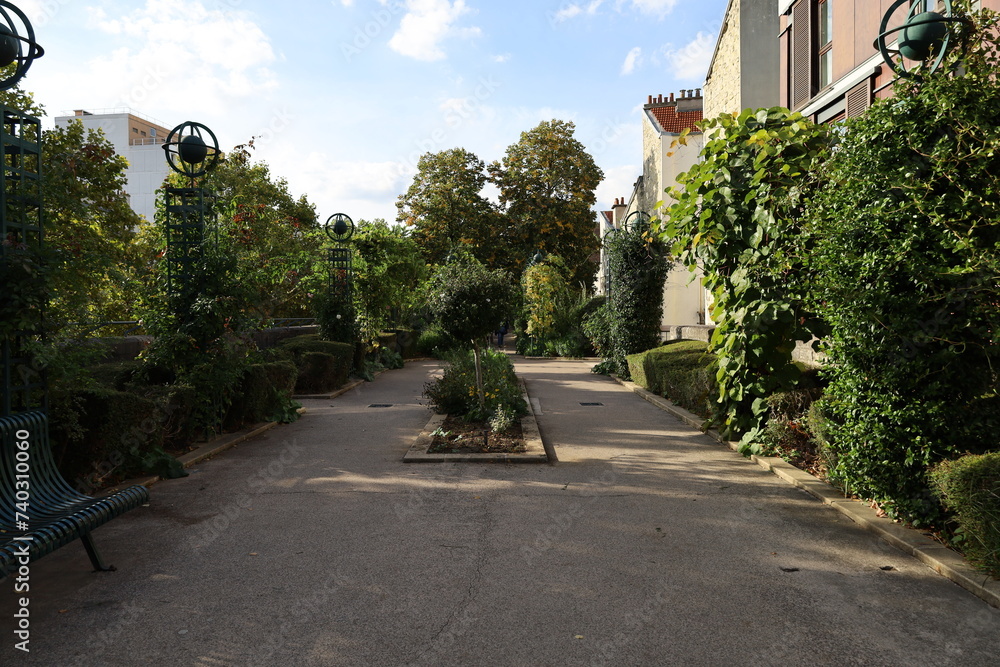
736	215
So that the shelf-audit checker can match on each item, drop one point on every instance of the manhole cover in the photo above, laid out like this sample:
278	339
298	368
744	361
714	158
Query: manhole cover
380	405
591	405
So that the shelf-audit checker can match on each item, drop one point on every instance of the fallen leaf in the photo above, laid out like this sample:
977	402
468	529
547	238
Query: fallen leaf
253	553
63	611
579	636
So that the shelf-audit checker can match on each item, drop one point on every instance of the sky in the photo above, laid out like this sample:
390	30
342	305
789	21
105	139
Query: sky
344	96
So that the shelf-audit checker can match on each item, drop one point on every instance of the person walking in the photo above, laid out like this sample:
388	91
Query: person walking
501	332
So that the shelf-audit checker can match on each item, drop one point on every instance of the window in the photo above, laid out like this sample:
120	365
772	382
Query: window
825	43
810	50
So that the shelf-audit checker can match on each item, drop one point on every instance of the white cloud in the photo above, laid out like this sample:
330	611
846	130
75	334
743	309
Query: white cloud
691	61
618	182
426	24
633	59
656	7
501	58
178	54
572	9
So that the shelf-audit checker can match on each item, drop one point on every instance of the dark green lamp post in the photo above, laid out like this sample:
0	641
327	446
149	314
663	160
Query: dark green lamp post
340	228
189	154
21	231
923	36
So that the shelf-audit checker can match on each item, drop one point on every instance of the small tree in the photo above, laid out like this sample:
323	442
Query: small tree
470	302
638	266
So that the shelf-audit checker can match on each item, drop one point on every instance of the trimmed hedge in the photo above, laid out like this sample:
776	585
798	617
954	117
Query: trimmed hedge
970	487
260	393
322	365
683	371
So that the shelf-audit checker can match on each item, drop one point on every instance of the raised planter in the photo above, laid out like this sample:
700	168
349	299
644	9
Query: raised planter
534	450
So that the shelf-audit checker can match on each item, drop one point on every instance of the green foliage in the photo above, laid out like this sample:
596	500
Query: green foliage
737	215
547	182
469	301
907	228
335	312
638	266
89	227
322	365
447	209
388	271
265	392
274	239
683	371
597	327
455	393
970	487
547	297
435	342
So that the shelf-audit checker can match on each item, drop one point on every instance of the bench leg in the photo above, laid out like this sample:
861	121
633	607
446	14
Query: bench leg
95	557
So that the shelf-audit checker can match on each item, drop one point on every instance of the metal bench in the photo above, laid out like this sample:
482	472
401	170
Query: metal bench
39	510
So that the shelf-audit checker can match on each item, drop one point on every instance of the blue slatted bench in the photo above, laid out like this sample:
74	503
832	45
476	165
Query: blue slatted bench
56	513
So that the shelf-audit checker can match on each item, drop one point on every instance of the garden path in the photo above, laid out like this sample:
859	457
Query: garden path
646	544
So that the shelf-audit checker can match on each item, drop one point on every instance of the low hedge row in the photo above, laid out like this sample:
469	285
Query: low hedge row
970	487
683	371
322	365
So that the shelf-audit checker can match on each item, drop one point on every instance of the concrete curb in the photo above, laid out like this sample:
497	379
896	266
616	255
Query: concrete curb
939	558
334	394
535	451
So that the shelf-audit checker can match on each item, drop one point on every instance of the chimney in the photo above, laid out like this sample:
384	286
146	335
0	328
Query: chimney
698	92
618	212
650	100
671	97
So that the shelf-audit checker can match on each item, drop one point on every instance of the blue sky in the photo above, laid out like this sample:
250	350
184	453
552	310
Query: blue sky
345	95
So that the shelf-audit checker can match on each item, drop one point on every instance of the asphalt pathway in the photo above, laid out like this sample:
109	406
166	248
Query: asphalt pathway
646	544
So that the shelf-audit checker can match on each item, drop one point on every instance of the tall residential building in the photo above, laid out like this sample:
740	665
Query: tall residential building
139	140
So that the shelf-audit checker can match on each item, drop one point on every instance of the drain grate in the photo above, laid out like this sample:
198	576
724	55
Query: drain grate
591	405
380	405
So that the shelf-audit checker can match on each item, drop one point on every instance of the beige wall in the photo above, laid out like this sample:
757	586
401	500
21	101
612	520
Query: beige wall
722	87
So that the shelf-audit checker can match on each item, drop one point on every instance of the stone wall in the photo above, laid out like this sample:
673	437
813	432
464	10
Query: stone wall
722	87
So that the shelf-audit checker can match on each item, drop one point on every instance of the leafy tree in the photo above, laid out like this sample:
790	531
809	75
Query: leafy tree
547	182
389	269
445	205
89	226
274	237
906	272
638	266
470	301
737	215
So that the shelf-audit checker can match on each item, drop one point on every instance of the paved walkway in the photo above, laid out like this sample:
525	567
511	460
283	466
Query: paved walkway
647	544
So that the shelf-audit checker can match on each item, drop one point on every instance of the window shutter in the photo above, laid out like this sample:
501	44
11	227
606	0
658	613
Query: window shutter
802	61
859	98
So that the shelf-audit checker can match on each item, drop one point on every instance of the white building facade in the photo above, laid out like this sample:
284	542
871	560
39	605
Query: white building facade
663	159
140	141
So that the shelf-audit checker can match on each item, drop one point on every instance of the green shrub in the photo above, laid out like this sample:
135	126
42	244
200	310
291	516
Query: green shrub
970	487
455	392
323	365
387	340
597	327
407	342
435	342
118	432
905	265
638	266
683	371
265	392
